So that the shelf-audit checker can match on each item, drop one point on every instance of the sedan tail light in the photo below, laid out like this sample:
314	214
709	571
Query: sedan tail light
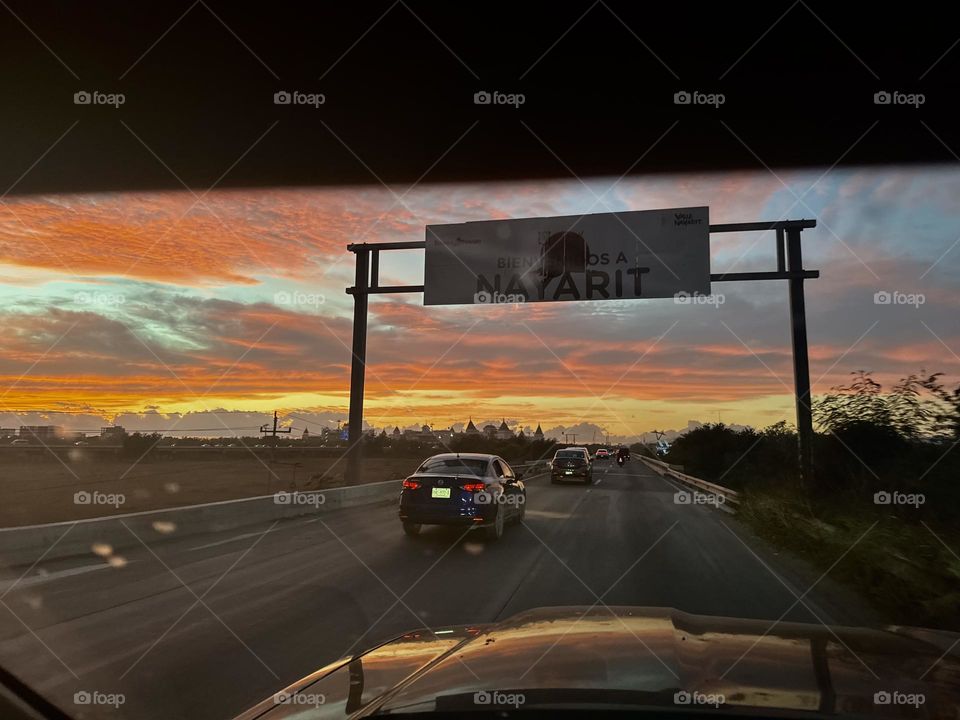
473	487
411	484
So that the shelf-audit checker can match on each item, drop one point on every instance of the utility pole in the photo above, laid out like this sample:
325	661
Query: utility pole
265	430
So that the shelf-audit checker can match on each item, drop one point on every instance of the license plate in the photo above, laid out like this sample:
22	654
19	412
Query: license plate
568	472
440	492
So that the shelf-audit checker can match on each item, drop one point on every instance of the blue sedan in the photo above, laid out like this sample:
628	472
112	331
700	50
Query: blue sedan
466	489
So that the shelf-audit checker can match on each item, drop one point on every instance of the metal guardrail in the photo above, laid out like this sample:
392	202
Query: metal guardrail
731	497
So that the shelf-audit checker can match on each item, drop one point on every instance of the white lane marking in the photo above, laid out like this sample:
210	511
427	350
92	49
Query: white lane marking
549	514
51	576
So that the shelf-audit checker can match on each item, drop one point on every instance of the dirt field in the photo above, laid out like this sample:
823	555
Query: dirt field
43	490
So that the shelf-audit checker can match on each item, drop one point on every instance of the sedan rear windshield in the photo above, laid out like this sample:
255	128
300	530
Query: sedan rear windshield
454	466
570	455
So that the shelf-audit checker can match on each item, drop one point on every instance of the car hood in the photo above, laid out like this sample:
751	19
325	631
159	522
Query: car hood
635	657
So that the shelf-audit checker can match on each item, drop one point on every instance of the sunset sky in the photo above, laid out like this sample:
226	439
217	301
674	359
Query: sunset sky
169	310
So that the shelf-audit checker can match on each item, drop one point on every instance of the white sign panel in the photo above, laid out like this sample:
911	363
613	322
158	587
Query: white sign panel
605	256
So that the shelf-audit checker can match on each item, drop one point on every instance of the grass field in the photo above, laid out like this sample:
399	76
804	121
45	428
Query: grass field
42	489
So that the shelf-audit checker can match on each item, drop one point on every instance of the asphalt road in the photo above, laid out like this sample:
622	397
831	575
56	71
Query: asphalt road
205	627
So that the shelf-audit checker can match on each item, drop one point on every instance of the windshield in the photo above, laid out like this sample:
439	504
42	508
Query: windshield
155	457
591	336
454	466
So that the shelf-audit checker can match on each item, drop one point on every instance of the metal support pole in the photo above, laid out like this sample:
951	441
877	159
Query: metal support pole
801	362
780	265
358	366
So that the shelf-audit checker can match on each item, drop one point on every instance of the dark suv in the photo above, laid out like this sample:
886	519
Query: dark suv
572	464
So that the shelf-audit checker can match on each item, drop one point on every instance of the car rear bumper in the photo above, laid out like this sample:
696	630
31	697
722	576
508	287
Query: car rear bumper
577	474
463	515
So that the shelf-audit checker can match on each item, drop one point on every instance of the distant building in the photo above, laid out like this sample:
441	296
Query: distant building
306	434
8	433
538	433
490	430
41	433
424	435
113	432
471	429
396	433
503	432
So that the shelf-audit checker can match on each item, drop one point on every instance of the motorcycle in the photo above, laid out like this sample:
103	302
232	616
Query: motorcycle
620	460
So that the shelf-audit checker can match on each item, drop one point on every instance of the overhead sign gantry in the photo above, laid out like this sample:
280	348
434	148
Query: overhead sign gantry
632	255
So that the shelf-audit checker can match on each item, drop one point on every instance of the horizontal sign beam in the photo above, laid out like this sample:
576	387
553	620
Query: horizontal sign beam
383	289
720	228
763	225
776	275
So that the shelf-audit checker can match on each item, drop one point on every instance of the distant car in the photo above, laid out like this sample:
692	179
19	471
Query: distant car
470	489
571	463
81	443
206	445
20	441
603	454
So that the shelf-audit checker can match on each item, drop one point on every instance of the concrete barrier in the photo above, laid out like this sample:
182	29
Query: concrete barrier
25	545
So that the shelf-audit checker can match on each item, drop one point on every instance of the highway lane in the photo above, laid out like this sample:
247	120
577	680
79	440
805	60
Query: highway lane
205	626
